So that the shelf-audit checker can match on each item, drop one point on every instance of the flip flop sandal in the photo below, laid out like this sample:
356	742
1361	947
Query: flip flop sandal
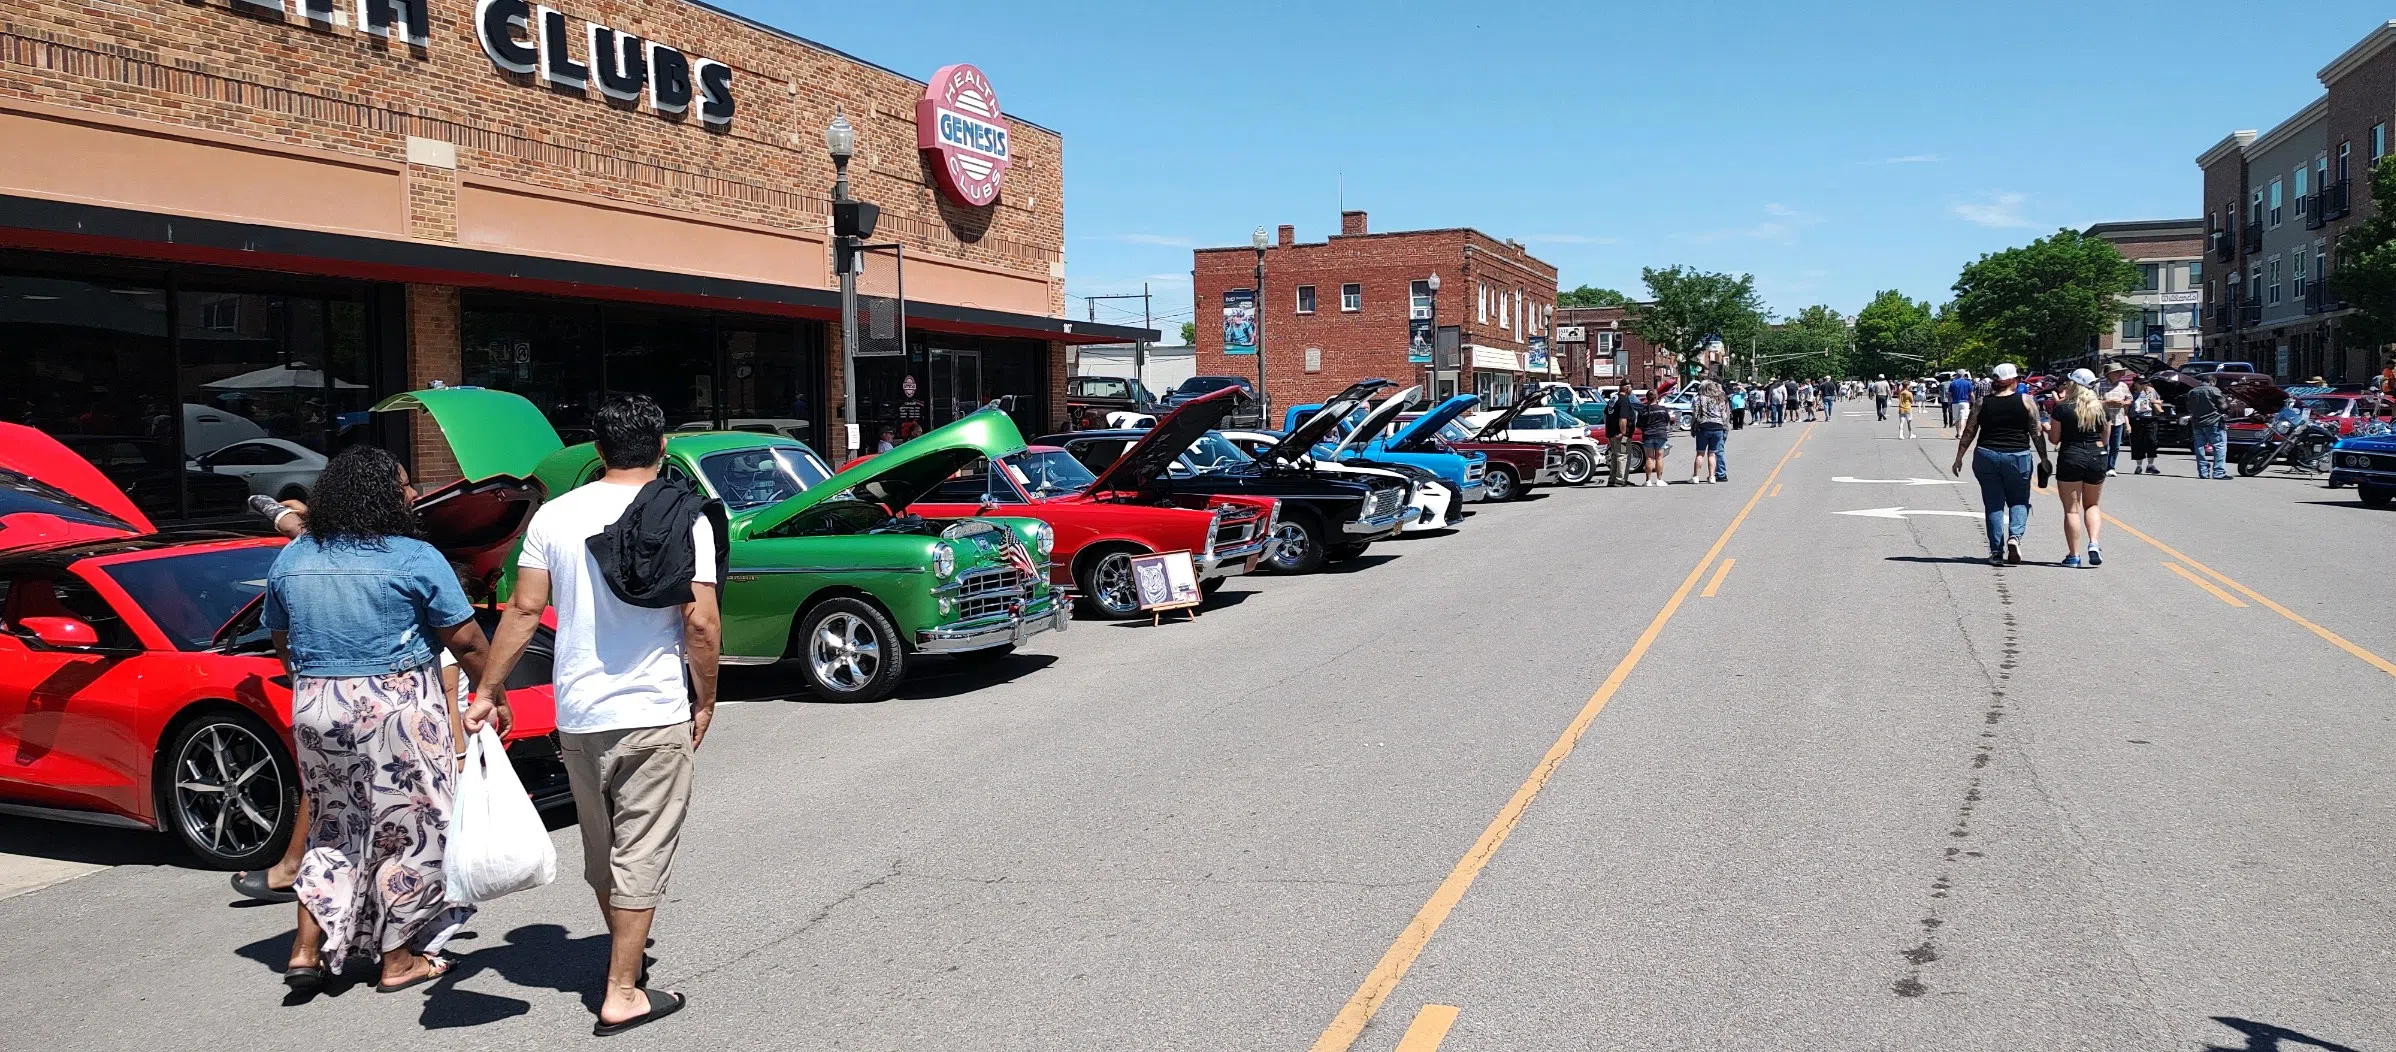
661	1005
304	978
252	884
439	967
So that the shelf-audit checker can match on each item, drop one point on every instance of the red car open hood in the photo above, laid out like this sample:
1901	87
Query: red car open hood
49	495
1145	459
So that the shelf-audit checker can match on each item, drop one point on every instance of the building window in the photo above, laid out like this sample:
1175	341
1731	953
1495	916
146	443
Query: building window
2254	286
2133	326
1505	315
2300	174
2379	142
2150	277
2344	150
1418	295
2275	202
1305	299
2254	208
1314	359
1481	303
2296	278
1351	297
2272	288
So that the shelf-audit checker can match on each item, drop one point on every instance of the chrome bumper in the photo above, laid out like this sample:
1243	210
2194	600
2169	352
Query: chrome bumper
1037	616
1474	491
1237	559
1380	524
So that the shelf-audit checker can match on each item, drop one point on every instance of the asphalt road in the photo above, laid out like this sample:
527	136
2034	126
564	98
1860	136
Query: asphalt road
1561	772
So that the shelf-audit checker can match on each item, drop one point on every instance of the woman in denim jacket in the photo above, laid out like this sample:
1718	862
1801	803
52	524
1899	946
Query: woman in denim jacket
357	605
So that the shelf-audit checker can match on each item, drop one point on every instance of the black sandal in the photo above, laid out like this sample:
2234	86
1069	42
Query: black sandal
252	884
306	979
661	1005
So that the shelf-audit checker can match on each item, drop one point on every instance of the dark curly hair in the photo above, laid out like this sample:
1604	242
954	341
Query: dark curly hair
358	498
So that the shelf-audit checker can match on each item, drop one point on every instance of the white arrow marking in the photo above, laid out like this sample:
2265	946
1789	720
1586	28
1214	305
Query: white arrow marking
1900	482
1900	513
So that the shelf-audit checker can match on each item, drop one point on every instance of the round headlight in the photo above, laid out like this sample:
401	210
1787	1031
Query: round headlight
944	559
1043	538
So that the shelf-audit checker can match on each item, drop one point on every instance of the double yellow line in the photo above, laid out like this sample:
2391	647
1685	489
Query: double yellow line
2261	600
1346	1027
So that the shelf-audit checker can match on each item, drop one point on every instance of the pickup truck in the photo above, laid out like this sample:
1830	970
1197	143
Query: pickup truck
1109	401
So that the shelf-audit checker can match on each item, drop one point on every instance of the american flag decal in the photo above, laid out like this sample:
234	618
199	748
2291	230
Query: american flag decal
1020	558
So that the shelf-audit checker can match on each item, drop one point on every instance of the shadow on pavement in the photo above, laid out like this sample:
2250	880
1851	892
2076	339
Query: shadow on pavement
950	676
2350	505
1976	560
1361	562
2264	1037
91	845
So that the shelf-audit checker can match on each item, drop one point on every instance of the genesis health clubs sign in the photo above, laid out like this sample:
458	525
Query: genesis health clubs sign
522	38
959	129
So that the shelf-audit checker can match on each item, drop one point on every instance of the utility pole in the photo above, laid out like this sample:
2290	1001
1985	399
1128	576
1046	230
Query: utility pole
1139	348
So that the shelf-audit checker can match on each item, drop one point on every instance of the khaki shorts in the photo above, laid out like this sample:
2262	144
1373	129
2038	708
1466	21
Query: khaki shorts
631	790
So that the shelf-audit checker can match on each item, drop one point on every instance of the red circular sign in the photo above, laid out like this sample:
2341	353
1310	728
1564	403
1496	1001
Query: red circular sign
958	122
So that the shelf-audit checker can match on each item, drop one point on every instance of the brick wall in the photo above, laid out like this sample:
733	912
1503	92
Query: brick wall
2224	210
2359	98
433	331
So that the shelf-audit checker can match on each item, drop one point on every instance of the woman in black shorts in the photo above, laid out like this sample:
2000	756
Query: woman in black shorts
2078	429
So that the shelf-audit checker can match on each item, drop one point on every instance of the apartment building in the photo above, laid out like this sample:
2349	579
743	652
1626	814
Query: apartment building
2161	316
2275	204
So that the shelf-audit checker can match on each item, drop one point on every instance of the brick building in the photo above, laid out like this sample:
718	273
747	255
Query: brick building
2274	207
1598	348
2169	255
1342	309
265	210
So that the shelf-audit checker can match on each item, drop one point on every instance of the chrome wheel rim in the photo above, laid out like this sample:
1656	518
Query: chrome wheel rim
845	653
228	790
1292	550
1578	467
1111	587
1501	486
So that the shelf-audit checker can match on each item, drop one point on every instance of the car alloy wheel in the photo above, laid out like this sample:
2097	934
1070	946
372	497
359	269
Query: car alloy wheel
228	791
1109	586
1295	548
1500	483
844	652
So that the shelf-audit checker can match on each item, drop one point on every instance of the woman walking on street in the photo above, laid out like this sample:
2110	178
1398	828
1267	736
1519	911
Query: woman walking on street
2080	432
1655	433
1905	411
2146	408
357	606
1710	426
1998	436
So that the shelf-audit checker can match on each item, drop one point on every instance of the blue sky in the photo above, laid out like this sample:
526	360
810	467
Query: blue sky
1829	149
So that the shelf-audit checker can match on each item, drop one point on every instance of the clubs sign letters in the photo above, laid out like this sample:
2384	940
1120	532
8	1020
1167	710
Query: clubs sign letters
520	37
959	127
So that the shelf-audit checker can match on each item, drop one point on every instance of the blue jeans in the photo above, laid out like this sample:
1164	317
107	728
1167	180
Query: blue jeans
2114	437
2004	493
2212	446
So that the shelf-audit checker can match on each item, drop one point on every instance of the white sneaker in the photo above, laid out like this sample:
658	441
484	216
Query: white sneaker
1694	480
2109	473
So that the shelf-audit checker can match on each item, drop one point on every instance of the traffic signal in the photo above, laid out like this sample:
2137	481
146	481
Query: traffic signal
852	223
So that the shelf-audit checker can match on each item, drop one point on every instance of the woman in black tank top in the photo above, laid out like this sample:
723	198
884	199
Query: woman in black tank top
1998	437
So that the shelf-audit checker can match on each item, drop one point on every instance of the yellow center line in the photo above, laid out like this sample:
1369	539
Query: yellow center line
1715	585
1776	489
2334	639
2204	584
1349	1024
1430	1027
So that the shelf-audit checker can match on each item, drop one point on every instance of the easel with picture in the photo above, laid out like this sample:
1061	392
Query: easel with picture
1165	582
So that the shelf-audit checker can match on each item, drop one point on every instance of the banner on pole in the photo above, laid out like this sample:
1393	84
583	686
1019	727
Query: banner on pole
1239	321
1418	341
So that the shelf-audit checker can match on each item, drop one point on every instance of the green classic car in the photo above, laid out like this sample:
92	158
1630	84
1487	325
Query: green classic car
831	572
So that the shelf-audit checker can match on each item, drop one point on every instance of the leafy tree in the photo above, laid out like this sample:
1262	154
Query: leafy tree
2046	300
2366	274
1809	346
1685	306
1189	333
1959	346
1590	296
1894	336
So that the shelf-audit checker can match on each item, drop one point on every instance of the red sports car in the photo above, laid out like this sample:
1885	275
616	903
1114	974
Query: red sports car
137	688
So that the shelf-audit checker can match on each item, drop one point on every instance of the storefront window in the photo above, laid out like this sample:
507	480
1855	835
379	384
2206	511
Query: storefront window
547	351
89	362
944	377
770	379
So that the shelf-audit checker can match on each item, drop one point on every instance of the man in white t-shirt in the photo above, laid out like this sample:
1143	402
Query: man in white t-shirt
628	719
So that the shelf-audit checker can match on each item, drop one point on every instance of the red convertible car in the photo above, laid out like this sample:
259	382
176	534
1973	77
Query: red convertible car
137	688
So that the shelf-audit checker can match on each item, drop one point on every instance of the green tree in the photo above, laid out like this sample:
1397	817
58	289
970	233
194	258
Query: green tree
1189	333
1894	336
2045	301
1959	346
1685	306
2366	274
1590	296
1811	345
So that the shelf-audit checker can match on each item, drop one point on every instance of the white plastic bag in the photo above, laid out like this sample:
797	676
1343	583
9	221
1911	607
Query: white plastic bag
497	844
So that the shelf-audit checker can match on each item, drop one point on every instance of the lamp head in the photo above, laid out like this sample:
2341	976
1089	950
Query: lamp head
1258	239
1433	283
840	138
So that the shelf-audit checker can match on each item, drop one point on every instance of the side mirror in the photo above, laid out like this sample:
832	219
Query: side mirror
61	633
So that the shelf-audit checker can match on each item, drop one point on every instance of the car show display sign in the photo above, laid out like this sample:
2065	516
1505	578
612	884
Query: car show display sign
1165	581
959	127
1239	321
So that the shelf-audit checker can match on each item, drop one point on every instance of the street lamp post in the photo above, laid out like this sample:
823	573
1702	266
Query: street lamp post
1431	387
1264	403
840	140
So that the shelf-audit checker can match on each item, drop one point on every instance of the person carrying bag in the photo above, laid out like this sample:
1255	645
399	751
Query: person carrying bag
497	843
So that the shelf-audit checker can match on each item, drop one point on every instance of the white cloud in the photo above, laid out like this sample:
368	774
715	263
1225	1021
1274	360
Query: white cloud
1998	211
1569	239
1914	158
1782	225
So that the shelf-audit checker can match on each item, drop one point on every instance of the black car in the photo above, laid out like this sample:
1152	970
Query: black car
1322	516
1250	413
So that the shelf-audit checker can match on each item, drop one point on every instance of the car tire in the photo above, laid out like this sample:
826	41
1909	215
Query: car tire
1579	467
2373	496
832	651
1301	547
1211	585
1343	553
1501	484
228	790
1104	581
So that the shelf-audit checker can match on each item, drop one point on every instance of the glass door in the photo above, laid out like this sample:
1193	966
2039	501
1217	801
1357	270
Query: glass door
956	384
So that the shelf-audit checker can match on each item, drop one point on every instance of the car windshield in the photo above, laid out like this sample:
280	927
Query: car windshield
1198	385
192	595
2326	406
754	478
1049	472
20	494
1212	452
1455	431
1106	388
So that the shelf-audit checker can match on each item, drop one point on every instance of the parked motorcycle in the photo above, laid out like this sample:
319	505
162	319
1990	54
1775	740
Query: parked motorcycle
2292	435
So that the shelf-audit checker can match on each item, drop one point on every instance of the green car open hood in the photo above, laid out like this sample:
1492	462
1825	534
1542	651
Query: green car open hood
491	433
902	476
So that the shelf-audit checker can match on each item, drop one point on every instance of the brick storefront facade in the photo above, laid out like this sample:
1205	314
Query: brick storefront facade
223	134
1312	354
2170	258
1610	354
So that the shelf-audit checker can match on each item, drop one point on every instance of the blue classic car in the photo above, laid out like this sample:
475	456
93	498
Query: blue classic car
2368	463
1461	471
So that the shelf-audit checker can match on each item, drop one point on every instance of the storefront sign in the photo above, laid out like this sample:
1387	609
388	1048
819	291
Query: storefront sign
521	38
1418	341
957	122
1239	321
1572	334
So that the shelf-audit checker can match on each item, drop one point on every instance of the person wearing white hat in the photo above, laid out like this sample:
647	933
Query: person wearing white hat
2003	427
2079	430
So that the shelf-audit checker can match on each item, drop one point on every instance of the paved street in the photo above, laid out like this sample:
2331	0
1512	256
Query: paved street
1690	768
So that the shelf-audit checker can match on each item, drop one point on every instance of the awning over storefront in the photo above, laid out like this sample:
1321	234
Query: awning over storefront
36	223
1493	358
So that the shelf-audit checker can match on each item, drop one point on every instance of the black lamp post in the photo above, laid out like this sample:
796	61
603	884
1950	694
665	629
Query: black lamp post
840	140
1432	387
1264	404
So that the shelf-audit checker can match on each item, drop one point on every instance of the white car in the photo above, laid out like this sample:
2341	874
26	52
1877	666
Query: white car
1549	426
271	466
1434	501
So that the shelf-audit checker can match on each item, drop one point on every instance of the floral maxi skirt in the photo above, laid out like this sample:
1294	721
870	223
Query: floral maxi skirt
377	760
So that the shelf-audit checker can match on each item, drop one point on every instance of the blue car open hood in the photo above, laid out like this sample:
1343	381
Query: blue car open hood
1429	423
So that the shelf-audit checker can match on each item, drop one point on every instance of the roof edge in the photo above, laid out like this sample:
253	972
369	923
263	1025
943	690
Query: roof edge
2314	111
2194	227
2231	143
2373	43
828	49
